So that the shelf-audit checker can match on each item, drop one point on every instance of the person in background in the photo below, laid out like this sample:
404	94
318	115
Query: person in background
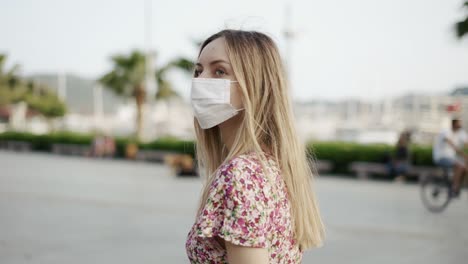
399	163
98	146
109	146
448	152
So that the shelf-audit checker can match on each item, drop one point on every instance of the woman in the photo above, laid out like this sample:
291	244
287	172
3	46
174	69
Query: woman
257	204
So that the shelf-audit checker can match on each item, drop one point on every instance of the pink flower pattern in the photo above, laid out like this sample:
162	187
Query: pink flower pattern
246	208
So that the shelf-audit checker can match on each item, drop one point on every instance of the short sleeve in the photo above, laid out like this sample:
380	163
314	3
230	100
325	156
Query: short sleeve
444	135
237	209
464	137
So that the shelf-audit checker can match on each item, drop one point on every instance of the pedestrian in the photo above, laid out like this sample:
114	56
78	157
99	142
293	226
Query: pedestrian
400	161
257	205
98	146
109	144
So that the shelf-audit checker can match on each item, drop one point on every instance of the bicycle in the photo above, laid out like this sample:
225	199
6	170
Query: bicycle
436	191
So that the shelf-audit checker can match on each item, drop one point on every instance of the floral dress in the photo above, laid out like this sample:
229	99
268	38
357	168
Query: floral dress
246	207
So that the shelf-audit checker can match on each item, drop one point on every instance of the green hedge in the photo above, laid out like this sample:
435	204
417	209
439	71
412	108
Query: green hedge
45	142
341	154
171	144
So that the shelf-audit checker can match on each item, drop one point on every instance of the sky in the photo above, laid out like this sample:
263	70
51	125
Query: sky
360	49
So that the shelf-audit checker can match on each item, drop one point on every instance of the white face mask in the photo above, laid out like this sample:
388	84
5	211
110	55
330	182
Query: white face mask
211	101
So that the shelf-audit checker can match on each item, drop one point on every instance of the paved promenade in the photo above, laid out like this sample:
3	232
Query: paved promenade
66	210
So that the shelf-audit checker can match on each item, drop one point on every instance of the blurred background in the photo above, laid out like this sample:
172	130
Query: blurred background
97	139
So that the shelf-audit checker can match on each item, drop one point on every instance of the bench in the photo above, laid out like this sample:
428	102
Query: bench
183	165
364	169
71	149
153	155
15	145
323	166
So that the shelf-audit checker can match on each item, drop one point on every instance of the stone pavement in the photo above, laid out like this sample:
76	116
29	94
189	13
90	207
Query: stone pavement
70	210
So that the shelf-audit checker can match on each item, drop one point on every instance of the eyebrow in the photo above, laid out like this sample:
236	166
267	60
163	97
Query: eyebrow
214	62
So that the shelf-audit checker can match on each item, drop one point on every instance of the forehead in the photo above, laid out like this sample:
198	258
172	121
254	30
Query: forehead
215	50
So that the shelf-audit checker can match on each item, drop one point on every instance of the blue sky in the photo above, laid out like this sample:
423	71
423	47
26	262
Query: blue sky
343	48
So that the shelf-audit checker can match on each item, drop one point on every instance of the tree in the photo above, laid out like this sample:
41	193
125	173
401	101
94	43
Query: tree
165	88
461	27
38	97
9	77
127	78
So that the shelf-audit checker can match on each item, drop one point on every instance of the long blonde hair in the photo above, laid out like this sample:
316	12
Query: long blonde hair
267	121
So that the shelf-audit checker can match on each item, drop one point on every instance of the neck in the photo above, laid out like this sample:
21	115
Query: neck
228	131
227	136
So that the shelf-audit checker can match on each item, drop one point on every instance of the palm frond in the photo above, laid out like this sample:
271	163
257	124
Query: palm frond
127	73
165	88
183	64
461	28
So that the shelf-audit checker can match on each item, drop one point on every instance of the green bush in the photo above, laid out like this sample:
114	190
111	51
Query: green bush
421	155
341	154
171	144
45	142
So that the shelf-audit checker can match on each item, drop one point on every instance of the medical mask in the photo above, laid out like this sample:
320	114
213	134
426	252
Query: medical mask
211	101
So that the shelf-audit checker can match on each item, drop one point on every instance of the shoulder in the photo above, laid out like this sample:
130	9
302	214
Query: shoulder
463	133
445	134
243	176
243	167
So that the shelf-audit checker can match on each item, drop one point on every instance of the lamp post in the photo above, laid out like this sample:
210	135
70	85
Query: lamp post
288	36
150	80
62	86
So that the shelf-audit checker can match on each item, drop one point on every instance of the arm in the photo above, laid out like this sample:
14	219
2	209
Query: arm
465	146
242	221
246	255
459	151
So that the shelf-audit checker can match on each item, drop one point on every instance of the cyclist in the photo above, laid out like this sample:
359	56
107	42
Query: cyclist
448	152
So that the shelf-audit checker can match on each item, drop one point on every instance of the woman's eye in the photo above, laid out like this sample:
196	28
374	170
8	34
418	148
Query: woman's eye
219	72
196	73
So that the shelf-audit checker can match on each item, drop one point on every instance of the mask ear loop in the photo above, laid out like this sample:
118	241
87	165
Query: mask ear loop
237	110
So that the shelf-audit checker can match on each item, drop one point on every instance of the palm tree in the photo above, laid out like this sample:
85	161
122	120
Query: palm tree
165	88
461	27
127	78
14	88
8	78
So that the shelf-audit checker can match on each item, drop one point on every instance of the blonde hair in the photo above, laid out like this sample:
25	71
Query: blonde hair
267	121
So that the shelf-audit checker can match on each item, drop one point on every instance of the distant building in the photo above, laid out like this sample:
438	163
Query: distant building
380	122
